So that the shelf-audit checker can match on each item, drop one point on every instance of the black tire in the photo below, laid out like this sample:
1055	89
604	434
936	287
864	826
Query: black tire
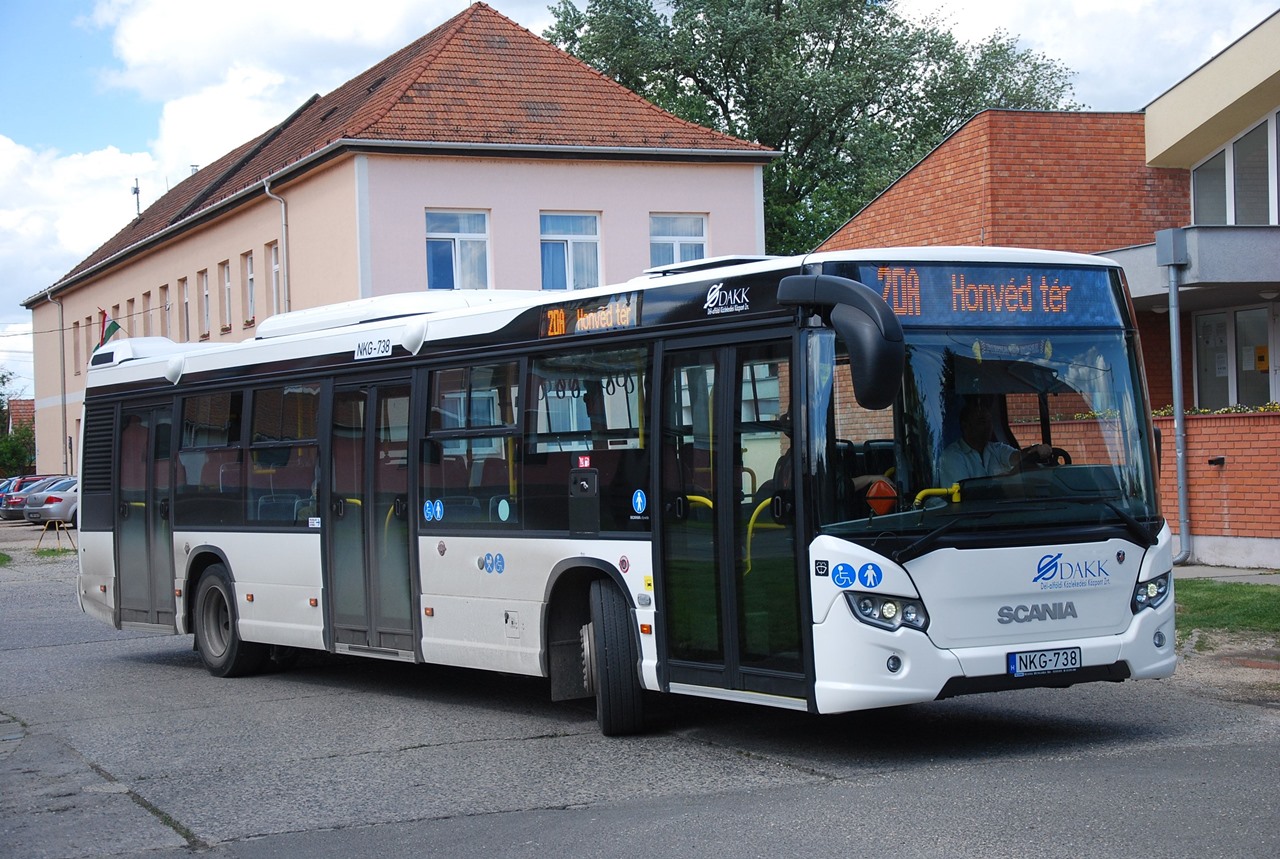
222	650
611	656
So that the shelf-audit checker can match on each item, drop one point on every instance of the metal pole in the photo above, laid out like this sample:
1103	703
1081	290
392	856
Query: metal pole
1179	420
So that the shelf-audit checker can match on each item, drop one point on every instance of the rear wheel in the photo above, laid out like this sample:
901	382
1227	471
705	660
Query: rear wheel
610	660
222	650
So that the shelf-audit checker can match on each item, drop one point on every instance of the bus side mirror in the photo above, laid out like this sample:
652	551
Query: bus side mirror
870	331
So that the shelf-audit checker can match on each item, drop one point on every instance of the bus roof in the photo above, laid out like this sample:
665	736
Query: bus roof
410	320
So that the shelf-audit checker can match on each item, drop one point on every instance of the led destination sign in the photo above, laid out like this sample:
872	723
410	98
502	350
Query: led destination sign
988	295
590	316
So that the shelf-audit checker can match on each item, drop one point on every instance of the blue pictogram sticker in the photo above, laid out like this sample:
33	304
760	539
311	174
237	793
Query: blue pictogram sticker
428	510
842	576
499	563
439	509
869	576
638	501
488	562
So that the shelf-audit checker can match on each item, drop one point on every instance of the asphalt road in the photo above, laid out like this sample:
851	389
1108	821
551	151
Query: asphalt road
120	744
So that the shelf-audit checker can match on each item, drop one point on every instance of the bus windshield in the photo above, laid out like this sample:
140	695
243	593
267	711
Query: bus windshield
994	430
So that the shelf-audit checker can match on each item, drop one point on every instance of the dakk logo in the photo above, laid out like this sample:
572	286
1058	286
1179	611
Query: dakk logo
1052	572
1047	568
726	300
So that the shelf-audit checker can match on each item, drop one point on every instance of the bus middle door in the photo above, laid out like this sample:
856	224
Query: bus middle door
368	570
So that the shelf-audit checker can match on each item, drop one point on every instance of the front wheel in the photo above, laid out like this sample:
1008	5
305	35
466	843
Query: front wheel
610	660
222	650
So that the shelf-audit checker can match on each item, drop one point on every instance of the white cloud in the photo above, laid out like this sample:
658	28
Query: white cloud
1125	54
223	72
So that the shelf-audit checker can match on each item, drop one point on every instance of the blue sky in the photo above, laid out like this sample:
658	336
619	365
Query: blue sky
97	93
47	58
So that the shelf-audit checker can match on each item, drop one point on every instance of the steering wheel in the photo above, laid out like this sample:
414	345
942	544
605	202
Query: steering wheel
1058	456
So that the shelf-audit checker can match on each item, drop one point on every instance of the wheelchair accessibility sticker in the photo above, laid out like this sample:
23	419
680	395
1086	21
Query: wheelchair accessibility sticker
842	576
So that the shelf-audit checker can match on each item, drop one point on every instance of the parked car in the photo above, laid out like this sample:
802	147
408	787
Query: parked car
59	502
15	500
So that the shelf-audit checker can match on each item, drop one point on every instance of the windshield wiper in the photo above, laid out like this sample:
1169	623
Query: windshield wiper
919	547
1142	532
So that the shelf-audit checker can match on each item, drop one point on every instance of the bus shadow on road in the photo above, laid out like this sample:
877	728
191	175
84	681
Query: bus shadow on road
980	727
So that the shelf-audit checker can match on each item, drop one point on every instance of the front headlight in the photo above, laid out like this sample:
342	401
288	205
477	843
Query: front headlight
1151	593
887	612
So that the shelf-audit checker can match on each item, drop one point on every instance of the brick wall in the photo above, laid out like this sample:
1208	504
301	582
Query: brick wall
1238	499
1048	179
1153	330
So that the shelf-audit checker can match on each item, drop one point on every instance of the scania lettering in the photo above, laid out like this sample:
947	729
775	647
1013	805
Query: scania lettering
826	483
1037	611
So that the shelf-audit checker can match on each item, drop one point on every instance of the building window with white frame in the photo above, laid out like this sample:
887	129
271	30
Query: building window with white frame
224	275
164	310
277	300
570	250
206	318
247	286
184	321
676	238
457	249
1238	185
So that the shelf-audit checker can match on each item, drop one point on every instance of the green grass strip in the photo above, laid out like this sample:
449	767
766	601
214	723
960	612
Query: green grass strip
1233	606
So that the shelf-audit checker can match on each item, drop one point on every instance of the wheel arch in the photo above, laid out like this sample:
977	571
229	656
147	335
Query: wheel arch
568	609
200	559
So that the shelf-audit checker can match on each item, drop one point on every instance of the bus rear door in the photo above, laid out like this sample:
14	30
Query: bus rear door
143	529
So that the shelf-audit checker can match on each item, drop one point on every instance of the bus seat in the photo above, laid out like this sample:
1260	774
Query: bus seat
277	508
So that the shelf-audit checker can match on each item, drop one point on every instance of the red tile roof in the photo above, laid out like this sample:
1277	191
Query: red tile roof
21	412
477	81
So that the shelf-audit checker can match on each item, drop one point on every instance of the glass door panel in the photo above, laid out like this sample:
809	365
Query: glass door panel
1212	375
1253	365
368	531
688	490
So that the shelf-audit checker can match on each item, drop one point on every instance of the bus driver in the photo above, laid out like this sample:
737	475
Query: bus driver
976	454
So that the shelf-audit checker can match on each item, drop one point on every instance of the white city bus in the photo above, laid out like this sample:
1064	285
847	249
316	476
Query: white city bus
735	480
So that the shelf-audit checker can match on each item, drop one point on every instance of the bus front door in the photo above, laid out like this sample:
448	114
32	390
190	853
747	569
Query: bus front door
368	522
729	578
144	543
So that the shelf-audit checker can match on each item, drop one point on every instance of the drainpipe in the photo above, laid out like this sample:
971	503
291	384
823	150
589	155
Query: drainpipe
62	378
284	243
1171	251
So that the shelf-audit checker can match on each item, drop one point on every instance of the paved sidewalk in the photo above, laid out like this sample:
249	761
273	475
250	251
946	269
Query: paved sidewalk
1227	574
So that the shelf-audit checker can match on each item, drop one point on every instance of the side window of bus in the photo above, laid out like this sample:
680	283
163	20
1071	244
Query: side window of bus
209	475
282	477
470	476
586	410
864	457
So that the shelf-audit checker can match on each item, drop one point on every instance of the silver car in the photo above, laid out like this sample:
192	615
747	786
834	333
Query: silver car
15	499
57	503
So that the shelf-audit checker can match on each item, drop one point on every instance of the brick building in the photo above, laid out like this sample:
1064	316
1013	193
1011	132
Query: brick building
1201	158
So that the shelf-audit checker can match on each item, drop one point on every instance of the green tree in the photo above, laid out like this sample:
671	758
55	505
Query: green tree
849	91
17	448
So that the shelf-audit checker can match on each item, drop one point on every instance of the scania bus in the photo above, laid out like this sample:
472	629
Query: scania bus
732	479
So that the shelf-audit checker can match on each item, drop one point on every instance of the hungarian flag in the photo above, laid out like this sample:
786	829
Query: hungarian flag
109	328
